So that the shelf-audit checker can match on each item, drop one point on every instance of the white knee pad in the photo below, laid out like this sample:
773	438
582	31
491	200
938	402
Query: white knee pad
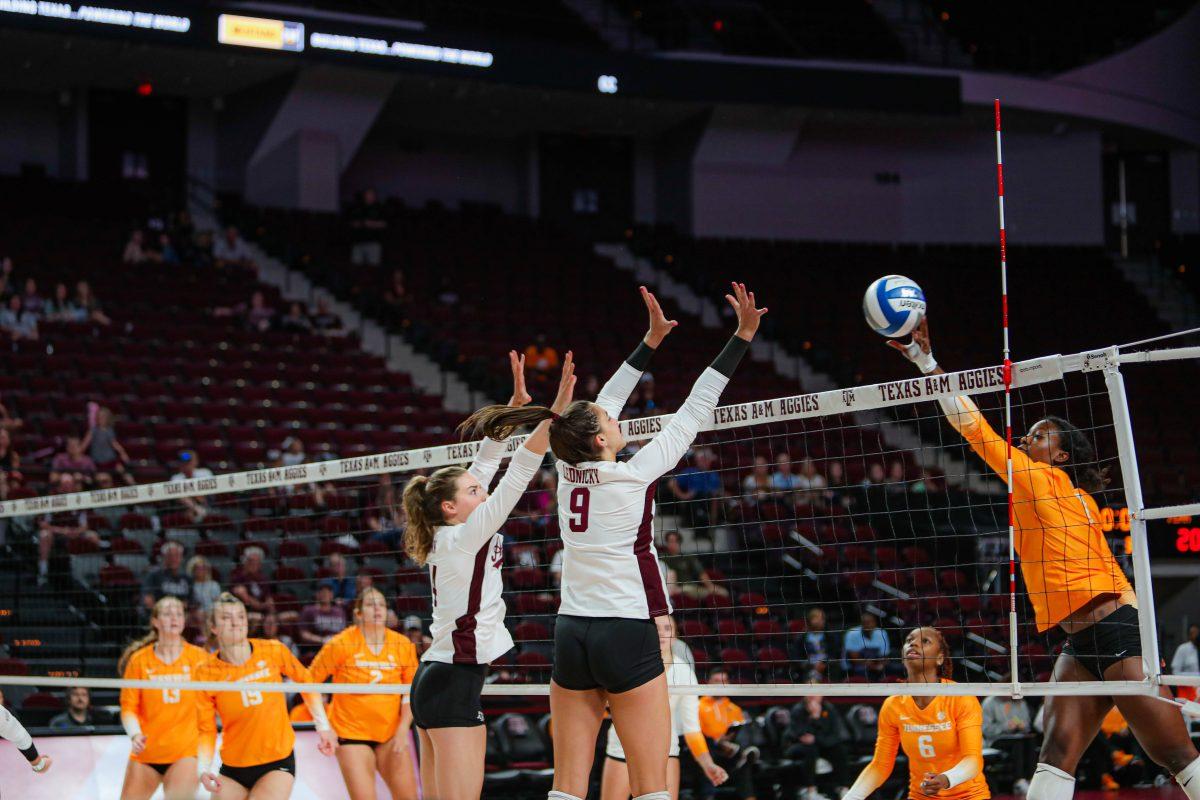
1188	779
654	796
557	795
1050	783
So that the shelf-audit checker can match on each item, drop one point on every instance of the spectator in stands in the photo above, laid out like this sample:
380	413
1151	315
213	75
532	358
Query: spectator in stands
135	249
61	308
834	494
817	730
396	293
205	588
1186	660
270	630
166	249
817	646
335	574
414	629
1008	726
325	321
258	315
362	582
783	479
74	462
757	484
230	251
723	723
78	716
31	301
367	227
896	484
541	356
18	323
811	481
685	574
10	461
865	648
189	469
102	445
322	620
66	526
698	489
388	530
296	320
250	584
169	579
90	303
8	421
292	452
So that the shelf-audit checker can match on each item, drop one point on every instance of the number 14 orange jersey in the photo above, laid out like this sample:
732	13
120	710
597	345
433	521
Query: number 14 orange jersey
365	717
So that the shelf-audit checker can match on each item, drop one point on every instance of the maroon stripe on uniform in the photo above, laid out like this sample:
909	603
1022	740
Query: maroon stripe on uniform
652	582
464	626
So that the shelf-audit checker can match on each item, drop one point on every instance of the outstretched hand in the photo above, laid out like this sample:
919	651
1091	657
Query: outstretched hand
920	350
566	385
660	326
748	314
520	396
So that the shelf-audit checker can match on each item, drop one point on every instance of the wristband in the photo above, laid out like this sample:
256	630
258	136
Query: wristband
30	753
639	359
926	362
731	356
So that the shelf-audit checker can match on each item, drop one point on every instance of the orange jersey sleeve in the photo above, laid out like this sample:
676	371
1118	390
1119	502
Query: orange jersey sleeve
256	729
167	717
1065	559
346	657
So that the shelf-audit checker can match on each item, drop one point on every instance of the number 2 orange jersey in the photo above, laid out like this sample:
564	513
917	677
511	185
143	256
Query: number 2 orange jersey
346	657
169	718
935	739
256	727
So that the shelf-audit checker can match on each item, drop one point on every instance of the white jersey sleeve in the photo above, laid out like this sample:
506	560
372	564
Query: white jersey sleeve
487	518
487	461
663	453
13	730
685	708
615	394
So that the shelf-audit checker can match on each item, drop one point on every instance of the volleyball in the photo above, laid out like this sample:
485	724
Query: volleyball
893	305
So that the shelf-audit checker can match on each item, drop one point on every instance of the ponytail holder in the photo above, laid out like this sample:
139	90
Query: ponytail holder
554	417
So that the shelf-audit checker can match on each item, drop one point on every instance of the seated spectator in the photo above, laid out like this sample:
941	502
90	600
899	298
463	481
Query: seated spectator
1008	726
811	481
388	530
698	489
322	620
230	251
135	249
757	484
875	475
396	293
896	485
723	724
74	462
251	585
189	468
323	320
685	574
296	320
90	304
817	646
18	323
865	648
367	227
205	589
817	730
62	308
31	301
10	460
835	491
166	249
362	582
270	630
541	356
8	421
414	629
783	479
343	585
1186	660
102	446
258	315
78	716
169	579
292	452
68	526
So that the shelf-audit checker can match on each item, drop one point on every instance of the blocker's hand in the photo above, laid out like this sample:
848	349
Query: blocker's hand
932	784
660	326
42	764
520	396
749	315
920	350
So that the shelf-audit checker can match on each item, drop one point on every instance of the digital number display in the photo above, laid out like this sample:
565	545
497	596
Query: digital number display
1174	537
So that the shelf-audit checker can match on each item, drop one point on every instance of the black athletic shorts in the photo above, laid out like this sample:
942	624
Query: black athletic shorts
609	653
343	742
447	695
1107	642
161	769
248	776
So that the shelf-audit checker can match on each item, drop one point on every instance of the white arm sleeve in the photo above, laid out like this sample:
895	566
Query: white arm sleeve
487	518
487	461
687	712
615	394
13	730
657	458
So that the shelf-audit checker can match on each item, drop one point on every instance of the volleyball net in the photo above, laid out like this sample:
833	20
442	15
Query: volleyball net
801	539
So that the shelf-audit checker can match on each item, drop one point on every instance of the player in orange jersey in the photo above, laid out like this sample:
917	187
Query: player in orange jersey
942	736
163	724
1075	584
257	740
373	729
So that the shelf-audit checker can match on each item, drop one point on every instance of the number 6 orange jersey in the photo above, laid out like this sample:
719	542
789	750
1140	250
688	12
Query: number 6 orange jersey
169	718
347	658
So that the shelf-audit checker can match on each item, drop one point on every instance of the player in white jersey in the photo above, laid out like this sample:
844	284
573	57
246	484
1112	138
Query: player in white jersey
14	731
606	637
452	527
685	722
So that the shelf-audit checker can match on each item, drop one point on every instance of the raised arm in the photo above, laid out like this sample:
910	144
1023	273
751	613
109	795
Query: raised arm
615	394
489	515
664	452
491	452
